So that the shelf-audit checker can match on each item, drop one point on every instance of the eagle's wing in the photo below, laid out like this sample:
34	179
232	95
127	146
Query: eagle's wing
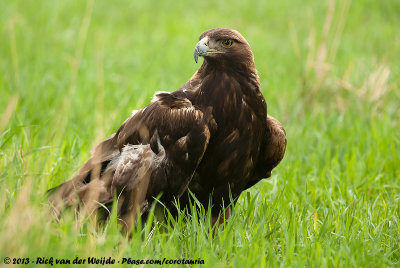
272	149
155	151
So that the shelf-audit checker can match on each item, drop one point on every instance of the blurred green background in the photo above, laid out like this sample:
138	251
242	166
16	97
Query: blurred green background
72	71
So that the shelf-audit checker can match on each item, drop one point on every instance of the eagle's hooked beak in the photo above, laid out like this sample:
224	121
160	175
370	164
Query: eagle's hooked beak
201	49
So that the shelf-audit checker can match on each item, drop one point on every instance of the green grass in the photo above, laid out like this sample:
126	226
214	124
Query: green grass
72	71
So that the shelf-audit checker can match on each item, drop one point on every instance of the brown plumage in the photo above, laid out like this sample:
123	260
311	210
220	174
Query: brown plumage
211	136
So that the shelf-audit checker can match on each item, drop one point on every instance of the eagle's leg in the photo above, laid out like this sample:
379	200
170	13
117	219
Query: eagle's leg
222	217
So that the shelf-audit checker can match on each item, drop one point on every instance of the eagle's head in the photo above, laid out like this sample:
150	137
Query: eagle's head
225	46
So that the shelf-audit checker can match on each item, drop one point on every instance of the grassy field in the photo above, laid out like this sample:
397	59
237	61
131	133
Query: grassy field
72	71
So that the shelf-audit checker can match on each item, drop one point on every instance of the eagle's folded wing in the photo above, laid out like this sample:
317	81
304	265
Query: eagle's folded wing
272	149
155	151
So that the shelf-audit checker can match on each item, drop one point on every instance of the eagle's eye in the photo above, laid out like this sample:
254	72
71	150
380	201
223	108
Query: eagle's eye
226	43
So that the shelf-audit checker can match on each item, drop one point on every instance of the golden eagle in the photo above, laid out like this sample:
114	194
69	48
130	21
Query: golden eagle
212	136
